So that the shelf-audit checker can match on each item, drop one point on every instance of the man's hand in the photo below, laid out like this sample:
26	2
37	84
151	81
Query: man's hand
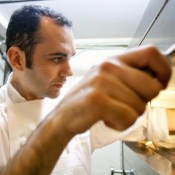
115	93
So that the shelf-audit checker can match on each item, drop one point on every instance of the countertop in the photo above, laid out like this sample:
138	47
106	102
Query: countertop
159	161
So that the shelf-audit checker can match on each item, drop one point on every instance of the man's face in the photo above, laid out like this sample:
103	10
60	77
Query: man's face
50	65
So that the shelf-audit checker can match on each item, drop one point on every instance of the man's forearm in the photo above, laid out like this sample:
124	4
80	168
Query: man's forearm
41	152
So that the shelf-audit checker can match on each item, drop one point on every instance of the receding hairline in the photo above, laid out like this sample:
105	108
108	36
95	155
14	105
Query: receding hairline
47	19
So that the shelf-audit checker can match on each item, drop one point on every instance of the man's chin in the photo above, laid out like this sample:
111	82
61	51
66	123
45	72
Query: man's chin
54	95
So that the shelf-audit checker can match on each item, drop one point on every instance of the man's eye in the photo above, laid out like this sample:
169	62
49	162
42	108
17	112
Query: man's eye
58	59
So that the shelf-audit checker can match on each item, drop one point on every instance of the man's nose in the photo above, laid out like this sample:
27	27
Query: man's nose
66	70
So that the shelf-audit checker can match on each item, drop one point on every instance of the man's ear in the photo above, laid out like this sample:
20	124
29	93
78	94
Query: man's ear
16	57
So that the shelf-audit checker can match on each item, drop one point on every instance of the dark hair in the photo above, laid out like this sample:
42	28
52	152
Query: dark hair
23	28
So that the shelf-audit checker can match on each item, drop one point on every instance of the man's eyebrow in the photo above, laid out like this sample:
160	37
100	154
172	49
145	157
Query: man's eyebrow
57	54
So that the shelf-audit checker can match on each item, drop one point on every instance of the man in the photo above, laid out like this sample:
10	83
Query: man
39	46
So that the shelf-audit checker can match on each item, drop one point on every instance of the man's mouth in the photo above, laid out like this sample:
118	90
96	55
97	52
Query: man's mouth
58	86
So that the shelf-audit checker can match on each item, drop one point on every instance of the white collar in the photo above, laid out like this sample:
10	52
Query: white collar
13	94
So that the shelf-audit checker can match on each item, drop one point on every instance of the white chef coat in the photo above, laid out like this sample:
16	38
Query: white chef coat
18	118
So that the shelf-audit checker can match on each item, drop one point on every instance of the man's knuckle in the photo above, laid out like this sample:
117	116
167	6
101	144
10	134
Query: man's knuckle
105	66
96	98
99	79
152	50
